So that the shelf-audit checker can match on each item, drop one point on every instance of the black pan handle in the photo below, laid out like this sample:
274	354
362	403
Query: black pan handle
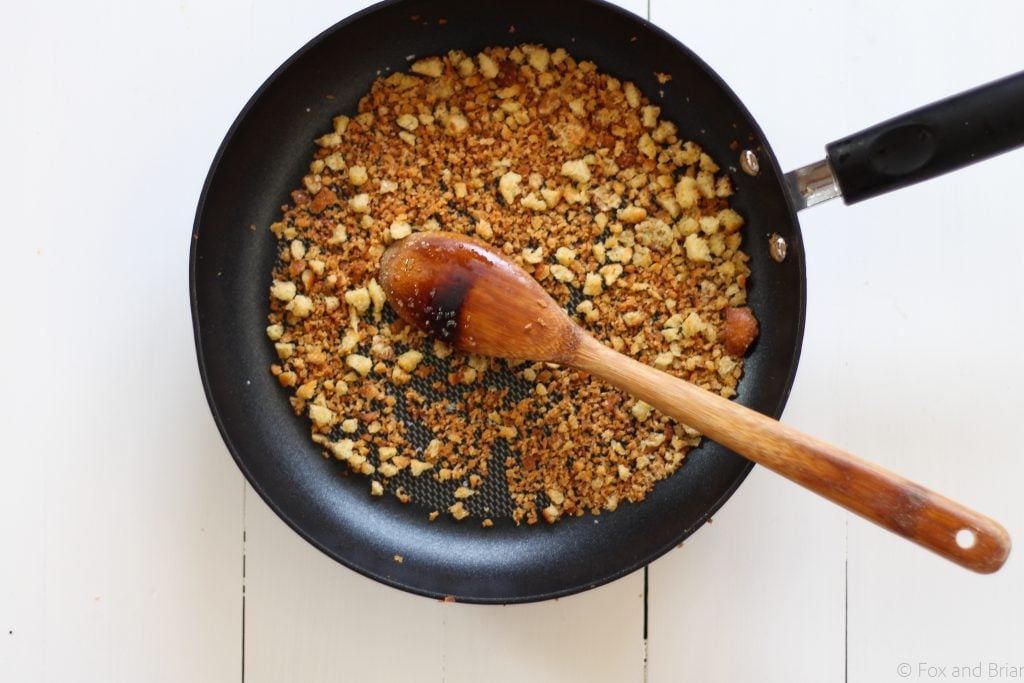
935	139
940	137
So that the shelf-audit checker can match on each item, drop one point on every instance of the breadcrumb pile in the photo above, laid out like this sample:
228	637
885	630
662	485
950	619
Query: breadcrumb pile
576	177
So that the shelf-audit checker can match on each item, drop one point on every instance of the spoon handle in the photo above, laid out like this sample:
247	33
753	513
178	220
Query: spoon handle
929	519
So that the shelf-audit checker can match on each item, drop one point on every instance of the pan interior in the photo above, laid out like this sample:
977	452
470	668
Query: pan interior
262	159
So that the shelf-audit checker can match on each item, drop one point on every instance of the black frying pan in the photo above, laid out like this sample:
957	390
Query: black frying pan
264	156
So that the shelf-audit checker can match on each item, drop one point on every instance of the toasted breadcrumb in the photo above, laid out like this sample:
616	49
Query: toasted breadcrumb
578	178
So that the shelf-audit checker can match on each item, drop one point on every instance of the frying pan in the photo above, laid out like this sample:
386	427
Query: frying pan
265	154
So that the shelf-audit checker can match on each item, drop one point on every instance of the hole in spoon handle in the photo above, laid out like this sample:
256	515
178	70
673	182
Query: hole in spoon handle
965	538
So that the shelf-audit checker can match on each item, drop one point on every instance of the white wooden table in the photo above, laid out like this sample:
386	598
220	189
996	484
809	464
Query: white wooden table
132	550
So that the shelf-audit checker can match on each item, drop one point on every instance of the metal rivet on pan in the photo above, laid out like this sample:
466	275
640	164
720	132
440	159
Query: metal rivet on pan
749	162
777	247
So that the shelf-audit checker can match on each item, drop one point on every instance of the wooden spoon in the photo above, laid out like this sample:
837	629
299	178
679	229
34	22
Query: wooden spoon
469	296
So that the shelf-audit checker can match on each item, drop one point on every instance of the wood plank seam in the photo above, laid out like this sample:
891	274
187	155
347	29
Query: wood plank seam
245	491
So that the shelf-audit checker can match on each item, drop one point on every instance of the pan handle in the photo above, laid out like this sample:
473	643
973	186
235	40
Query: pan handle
921	144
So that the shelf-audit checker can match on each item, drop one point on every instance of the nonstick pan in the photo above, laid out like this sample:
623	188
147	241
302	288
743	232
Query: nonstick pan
264	155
